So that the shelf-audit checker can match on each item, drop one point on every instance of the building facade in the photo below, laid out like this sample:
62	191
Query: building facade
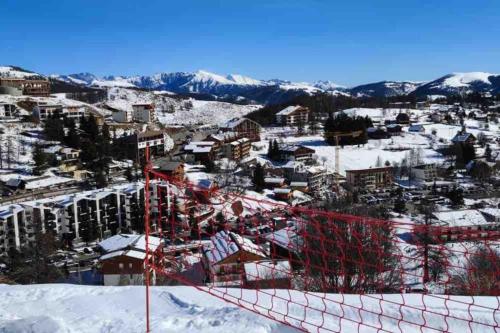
370	179
293	115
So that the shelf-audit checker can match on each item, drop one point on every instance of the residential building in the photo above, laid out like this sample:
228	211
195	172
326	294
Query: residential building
144	113
122	116
173	169
15	230
157	141
461	225
370	179
293	115
295	153
465	138
424	172
284	194
237	150
122	260
274	182
42	111
266	274
78	217
32	87
246	128
225	256
200	151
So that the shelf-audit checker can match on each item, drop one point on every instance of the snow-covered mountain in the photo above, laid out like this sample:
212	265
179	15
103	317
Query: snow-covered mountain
17	72
460	83
230	87
385	89
239	88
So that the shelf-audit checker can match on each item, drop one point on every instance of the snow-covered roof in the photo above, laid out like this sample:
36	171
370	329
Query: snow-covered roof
274	180
282	190
298	184
267	270
491	211
130	253
128	241
462	137
288	110
461	218
224	244
287	238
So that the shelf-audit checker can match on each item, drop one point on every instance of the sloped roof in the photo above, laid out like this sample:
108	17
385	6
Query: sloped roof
128	241
224	244
461	218
288	110
462	137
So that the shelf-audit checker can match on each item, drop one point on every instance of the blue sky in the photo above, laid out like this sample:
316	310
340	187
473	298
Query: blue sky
348	42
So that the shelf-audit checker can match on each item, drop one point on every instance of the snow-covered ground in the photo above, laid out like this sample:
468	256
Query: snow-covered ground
393	150
85	309
72	308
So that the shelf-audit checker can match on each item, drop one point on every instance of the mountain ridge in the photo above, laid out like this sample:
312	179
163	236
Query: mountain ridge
246	89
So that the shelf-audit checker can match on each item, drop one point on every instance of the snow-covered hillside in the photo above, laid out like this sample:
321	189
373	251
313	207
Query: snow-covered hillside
86	309
457	83
16	72
385	89
172	111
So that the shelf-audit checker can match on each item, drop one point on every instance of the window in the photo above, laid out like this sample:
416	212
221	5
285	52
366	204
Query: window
130	265
120	265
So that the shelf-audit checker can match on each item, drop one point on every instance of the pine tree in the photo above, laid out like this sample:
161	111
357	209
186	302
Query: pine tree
40	159
258	177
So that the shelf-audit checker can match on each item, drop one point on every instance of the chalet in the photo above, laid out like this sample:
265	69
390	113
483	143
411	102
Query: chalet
68	154
272	182
295	153
286	243
371	179
172	169
465	138
394	129
284	194
266	274
143	113
122	262
200	151
317	178
468	224
246	128
32	87
293	115
416	128
224	258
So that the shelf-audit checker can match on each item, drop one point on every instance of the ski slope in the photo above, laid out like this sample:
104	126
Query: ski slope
70	308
